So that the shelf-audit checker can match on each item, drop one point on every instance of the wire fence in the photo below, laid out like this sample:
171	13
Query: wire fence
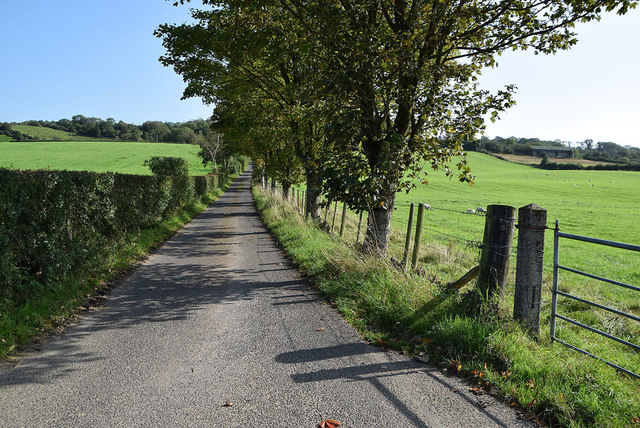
352	228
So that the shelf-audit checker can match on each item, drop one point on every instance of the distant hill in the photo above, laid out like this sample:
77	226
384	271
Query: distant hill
82	128
47	134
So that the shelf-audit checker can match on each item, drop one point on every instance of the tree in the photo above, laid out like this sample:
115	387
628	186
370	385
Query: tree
245	51
155	131
167	165
210	149
182	135
409	68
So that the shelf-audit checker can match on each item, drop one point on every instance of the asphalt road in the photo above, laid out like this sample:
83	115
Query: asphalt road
217	315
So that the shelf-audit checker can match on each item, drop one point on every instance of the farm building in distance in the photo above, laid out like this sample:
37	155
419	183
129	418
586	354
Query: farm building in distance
552	151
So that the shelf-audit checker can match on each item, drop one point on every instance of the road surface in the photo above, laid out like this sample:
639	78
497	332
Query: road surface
217	316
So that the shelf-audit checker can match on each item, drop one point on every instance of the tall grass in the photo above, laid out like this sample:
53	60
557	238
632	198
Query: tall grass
416	314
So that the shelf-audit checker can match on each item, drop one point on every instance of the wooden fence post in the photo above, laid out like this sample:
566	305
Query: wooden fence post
407	243
344	218
335	210
418	237
359	224
304	203
532	222
494	260
326	212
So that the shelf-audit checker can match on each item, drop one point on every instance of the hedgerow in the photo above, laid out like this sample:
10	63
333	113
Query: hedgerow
54	222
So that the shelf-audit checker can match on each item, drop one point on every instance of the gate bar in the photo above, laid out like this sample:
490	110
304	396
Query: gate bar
622	369
601	333
606	308
610	281
600	241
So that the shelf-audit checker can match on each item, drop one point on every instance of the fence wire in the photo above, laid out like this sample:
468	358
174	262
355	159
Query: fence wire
455	211
470	242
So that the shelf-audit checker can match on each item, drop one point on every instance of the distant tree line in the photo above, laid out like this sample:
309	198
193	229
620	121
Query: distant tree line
587	149
192	132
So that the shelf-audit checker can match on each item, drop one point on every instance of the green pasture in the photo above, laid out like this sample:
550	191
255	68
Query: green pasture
98	156
4	138
599	204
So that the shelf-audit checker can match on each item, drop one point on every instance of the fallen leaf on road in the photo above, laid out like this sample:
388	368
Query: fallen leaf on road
484	403
227	404
476	390
329	423
320	329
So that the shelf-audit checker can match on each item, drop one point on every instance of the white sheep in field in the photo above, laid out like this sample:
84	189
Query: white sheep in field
470	211
427	207
481	210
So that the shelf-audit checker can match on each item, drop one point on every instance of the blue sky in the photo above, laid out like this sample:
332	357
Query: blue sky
591	91
100	58
91	57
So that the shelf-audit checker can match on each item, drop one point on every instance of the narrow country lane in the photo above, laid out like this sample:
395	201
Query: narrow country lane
218	315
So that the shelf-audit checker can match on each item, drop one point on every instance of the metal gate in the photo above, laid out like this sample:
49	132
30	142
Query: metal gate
555	293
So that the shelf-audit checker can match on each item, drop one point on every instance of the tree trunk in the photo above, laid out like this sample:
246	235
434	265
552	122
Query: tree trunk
285	191
379	229
313	196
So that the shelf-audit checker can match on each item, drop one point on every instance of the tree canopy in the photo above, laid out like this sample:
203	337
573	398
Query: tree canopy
362	93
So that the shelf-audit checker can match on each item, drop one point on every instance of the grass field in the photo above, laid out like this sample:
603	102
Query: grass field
43	133
600	204
4	138
98	156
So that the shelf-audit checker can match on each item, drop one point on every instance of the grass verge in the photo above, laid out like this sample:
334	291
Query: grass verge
548	382
47	309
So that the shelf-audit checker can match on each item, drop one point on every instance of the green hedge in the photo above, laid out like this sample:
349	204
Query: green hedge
599	167
53	222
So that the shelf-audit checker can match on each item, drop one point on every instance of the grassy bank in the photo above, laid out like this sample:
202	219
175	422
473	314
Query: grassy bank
599	204
413	314
46	309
